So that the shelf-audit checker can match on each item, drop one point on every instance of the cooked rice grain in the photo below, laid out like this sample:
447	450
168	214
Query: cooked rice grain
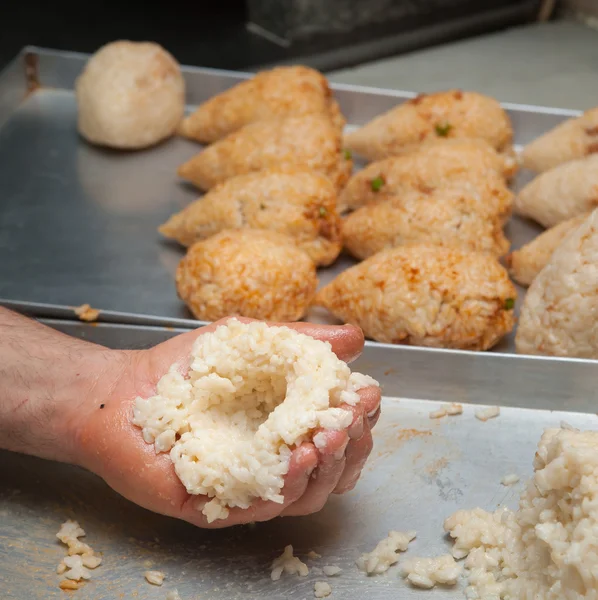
385	554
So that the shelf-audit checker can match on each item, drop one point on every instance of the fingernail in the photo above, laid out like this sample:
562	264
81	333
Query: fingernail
356	430
372	413
340	453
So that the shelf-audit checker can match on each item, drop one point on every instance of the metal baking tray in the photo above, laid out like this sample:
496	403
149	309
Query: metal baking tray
78	223
420	471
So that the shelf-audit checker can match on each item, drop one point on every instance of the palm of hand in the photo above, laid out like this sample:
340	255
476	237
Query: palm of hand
113	447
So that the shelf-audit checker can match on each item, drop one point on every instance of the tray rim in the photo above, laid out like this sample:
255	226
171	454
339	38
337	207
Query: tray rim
477	378
241	75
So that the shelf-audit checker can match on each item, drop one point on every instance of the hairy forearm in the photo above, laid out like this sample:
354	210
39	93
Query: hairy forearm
47	379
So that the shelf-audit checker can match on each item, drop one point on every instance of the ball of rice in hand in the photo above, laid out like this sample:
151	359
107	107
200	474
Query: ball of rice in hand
252	394
130	95
252	273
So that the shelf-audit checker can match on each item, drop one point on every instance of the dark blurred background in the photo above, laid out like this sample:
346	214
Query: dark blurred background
246	34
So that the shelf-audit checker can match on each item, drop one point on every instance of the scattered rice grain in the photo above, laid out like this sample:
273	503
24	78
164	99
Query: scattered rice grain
510	479
485	414
447	409
438	413
86	313
322	589
77	570
81	556
331	570
154	577
69	584
288	563
385	553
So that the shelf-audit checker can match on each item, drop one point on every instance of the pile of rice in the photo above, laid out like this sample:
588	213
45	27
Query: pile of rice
548	548
252	394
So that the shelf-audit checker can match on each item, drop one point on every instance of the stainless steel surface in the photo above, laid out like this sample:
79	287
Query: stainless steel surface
78	223
421	471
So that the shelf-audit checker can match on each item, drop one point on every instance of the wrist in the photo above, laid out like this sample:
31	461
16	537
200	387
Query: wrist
96	377
48	381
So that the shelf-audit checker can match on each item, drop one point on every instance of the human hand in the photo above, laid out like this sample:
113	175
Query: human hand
111	446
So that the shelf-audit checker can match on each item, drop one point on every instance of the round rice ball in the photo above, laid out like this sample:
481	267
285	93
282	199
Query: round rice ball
130	95
251	273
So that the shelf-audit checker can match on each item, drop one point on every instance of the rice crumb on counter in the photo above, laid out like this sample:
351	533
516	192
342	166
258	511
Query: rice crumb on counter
485	414
438	413
322	589
80	558
69	584
510	479
288	563
174	595
447	410
427	572
154	577
331	570
385	554
312	553
86	313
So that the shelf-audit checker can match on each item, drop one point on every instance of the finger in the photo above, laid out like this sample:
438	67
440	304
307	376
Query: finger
374	419
325	478
370	398
303	462
355	430
356	456
366	414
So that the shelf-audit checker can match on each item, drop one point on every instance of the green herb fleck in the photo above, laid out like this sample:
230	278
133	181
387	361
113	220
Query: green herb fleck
348	154
323	212
377	183
443	130
509	303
